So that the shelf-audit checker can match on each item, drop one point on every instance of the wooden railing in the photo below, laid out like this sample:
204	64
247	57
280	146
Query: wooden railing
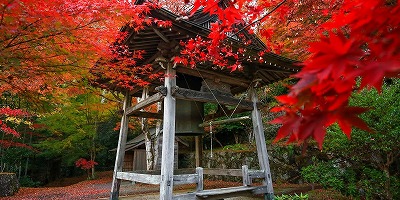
190	176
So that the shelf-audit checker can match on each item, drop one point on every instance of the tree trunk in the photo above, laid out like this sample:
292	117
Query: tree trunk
92	170
147	136
156	138
386	166
27	159
1	155
387	183
148	144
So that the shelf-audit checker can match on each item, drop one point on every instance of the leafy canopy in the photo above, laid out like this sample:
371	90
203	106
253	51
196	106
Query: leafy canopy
359	40
47	43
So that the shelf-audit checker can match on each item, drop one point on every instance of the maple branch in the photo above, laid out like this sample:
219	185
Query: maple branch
116	97
26	94
258	20
19	34
118	100
79	27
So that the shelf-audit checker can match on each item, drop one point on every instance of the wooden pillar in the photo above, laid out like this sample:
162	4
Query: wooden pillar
200	181
199	150
263	159
167	156
119	160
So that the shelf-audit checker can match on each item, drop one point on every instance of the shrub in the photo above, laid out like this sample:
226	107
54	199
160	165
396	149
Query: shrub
26	181
300	196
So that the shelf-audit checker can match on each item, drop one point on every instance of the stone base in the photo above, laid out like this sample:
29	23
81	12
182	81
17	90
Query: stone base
8	184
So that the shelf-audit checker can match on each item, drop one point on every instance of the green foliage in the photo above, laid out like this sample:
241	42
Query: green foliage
275	89
11	158
300	196
267	97
373	183
107	139
330	175
210	108
367	162
27	181
237	147
72	129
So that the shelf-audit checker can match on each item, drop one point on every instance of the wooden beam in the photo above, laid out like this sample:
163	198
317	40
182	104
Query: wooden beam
119	160
263	160
192	95
156	178
152	58
256	173
207	74
225	192
149	115
161	35
141	178
266	76
168	139
158	172
185	196
145	103
274	69
185	179
223	172
221	193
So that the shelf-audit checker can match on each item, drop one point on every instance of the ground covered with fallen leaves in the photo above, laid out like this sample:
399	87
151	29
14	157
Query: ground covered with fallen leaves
79	188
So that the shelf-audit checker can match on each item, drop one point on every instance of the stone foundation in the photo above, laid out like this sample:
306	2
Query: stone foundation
8	184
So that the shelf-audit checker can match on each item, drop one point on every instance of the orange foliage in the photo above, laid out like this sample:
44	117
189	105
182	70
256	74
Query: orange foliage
48	43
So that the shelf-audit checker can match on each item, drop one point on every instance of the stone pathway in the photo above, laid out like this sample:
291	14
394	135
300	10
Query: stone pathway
153	194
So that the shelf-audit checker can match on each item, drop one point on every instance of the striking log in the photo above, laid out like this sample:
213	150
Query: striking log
192	95
224	121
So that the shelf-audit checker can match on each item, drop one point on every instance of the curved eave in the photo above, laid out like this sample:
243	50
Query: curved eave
274	67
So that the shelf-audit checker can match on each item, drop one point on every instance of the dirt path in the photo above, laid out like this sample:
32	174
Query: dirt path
100	189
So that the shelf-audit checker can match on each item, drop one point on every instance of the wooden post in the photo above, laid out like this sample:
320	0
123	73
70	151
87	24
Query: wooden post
246	177
119	160
263	159
167	155
199	150
200	174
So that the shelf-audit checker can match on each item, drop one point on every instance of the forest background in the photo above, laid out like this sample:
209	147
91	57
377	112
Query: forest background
51	116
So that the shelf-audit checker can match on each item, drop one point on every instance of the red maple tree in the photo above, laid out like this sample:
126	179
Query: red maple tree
350	48
360	40
8	114
47	43
86	165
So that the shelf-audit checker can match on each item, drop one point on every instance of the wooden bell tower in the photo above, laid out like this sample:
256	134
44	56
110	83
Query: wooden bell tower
207	85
